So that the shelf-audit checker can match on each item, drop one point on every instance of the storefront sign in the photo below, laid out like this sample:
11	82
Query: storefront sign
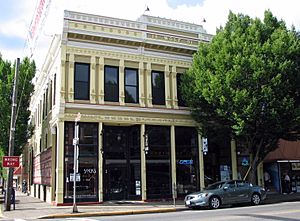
42	168
185	162
295	166
11	161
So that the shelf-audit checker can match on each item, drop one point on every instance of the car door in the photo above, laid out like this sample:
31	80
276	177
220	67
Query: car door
242	191
229	192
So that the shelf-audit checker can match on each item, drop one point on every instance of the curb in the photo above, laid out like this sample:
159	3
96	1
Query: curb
129	212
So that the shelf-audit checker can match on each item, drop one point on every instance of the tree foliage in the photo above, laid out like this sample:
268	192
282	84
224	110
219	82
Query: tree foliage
245	83
25	88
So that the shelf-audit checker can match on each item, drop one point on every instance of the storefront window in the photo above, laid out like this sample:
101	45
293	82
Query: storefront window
187	163
87	181
158	162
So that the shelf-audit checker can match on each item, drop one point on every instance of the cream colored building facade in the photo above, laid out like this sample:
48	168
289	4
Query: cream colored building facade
109	51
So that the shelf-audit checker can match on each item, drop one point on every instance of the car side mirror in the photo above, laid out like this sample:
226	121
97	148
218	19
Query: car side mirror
225	188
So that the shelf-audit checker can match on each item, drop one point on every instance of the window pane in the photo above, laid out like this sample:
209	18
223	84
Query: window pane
131	85
131	77
111	83
179	94
131	94
158	88
81	81
81	91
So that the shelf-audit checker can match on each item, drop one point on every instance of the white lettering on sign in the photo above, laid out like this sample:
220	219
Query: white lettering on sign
89	171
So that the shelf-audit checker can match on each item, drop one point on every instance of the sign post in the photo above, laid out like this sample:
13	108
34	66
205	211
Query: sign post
76	153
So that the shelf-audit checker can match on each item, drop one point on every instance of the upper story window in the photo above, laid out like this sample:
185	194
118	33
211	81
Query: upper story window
131	86
181	102
82	81
111	87
158	88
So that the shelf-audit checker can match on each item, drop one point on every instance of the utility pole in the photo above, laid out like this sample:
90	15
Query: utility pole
76	154
12	136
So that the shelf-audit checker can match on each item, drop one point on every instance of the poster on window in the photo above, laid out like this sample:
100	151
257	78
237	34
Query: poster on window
42	168
225	172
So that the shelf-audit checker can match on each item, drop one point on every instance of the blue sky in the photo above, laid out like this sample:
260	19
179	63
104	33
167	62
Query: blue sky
175	3
16	16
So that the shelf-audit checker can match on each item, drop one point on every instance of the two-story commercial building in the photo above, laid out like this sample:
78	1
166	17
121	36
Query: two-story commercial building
137	140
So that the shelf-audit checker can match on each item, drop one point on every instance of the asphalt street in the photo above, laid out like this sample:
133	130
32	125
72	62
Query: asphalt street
287	211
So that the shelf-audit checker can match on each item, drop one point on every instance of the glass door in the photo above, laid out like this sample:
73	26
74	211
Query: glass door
121	153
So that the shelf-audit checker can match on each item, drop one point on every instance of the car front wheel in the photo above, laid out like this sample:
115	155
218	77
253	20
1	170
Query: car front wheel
214	202
255	199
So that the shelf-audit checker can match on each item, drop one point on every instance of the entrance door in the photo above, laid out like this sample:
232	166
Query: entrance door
115	182
121	163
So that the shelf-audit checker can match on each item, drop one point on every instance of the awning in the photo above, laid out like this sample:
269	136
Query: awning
287	151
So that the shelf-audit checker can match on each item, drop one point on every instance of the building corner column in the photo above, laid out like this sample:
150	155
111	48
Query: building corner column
233	160
60	163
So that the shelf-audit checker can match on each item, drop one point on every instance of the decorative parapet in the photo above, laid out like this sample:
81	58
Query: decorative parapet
175	33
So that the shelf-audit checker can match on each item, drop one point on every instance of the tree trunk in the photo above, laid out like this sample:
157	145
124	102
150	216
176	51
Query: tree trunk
253	166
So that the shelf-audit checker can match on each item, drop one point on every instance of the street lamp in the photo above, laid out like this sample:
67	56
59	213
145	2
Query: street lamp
76	153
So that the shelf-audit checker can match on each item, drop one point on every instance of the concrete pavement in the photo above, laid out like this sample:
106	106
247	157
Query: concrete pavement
32	208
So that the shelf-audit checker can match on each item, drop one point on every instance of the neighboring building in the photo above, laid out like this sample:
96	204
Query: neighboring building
137	140
284	160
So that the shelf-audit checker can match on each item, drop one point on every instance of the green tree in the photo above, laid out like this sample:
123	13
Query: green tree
245	84
25	88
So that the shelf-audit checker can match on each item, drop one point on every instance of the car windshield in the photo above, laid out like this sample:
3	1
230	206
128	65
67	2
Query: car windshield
214	186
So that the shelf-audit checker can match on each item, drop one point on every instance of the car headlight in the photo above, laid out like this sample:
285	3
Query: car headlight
202	195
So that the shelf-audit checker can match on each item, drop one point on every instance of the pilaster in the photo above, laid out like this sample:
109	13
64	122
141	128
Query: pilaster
101	80
201	162
141	85
233	159
61	82
93	80
71	78
149	86
60	163
167	86
121	83
143	164
174	99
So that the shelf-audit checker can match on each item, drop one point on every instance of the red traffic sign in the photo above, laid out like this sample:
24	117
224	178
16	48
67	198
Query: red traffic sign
11	161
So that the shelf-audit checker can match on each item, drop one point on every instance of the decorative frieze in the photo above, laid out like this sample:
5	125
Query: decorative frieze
130	119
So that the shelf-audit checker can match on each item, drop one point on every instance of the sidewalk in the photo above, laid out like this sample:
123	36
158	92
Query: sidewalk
32	208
